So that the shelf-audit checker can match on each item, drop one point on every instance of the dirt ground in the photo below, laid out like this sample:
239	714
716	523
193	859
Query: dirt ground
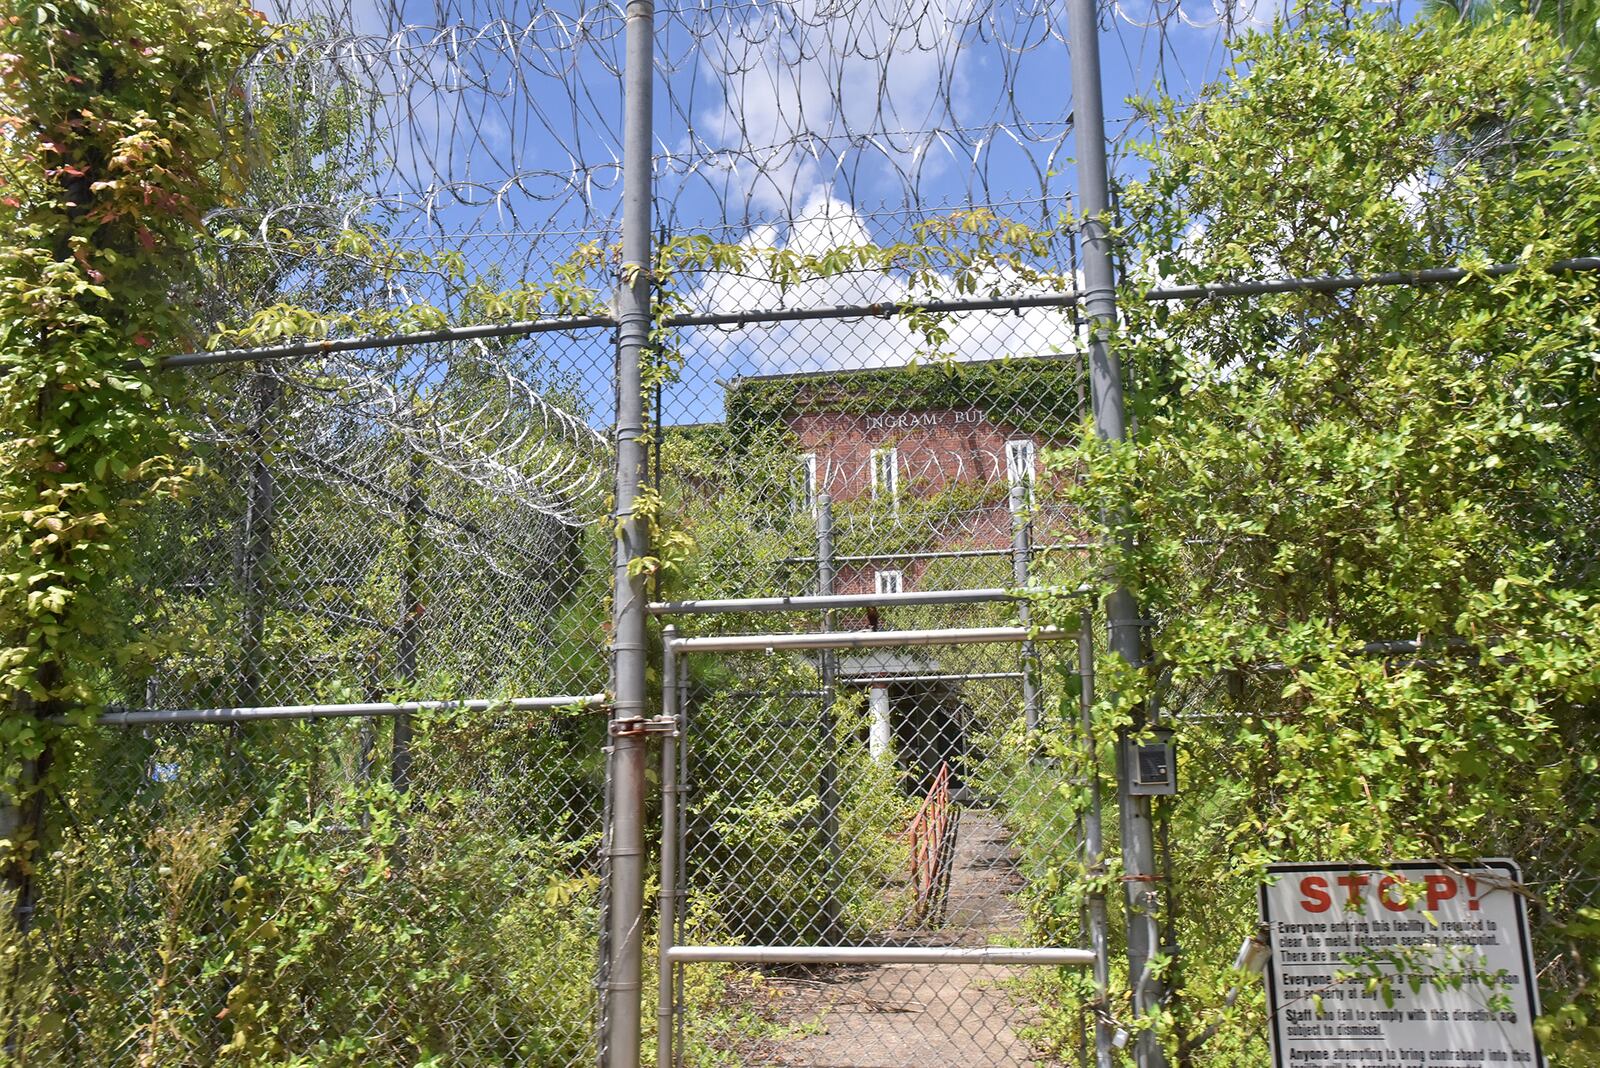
916	1015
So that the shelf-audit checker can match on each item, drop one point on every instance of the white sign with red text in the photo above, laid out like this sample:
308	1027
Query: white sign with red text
1413	963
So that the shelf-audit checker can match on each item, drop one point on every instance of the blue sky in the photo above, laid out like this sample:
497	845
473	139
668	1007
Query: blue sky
805	123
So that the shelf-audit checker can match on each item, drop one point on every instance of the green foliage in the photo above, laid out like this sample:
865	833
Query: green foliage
1570	1023
1575	23
114	117
333	920
1315	472
386	265
731	523
1036	395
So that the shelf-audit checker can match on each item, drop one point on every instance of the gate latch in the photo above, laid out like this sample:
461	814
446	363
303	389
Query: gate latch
632	727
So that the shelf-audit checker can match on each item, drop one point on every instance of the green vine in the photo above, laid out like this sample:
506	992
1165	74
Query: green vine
1313	472
114	146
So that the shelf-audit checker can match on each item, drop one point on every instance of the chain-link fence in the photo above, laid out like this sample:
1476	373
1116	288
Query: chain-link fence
350	798
1232	773
356	525
345	807
885	800
268	890
918	456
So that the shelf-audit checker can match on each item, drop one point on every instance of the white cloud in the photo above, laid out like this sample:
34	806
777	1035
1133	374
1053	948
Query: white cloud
819	93
827	223
816	99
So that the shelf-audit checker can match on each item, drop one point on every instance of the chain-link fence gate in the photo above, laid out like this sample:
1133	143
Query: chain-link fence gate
879	811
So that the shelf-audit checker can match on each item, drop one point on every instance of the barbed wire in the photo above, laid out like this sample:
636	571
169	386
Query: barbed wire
462	408
492	127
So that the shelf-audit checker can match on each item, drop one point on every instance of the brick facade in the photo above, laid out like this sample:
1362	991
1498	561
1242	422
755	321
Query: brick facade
934	450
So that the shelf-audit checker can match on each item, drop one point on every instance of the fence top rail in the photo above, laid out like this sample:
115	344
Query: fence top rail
813	602
1244	287
1066	299
1426	276
942	554
876	310
143	716
294	349
869	680
868	639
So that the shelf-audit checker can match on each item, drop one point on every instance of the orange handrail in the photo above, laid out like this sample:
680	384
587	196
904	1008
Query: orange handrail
927	833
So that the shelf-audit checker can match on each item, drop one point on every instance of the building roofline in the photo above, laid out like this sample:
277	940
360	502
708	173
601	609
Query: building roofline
851	372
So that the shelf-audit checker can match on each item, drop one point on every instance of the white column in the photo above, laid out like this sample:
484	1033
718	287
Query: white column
882	731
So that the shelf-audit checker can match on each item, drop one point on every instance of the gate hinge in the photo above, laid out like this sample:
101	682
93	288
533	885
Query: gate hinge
631	727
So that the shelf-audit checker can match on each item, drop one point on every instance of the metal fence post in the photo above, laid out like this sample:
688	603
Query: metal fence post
622	1009
1021	557
410	612
1105	381
666	900
256	544
828	774
1094	841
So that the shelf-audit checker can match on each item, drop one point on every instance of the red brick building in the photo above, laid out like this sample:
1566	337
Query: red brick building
918	462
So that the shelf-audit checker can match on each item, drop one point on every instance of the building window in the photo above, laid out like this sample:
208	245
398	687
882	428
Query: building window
889	581
886	476
1019	465
808	482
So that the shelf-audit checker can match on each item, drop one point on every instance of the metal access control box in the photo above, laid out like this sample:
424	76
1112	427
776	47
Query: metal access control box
1151	762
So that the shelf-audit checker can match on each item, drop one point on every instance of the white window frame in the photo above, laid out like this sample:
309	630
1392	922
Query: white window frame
891	580
886	475
808	482
1020	460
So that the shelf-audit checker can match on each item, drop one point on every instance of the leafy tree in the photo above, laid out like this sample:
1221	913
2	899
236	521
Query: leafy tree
1576	24
1314	472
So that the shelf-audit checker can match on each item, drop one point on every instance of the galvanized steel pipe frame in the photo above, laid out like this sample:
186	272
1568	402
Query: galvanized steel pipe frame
1123	623
621	1001
829	602
681	703
939	554
1045	956
867	639
296	349
667	896
140	717
975	676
